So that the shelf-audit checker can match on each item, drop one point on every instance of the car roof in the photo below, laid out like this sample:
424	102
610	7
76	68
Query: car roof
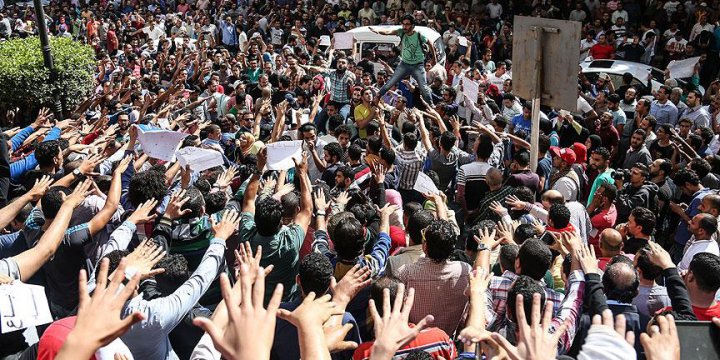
363	33
617	67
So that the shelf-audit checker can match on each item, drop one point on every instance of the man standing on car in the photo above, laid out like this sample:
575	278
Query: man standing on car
412	57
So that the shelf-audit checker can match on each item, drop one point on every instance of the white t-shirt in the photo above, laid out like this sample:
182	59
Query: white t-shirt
696	247
583	107
154	33
497	81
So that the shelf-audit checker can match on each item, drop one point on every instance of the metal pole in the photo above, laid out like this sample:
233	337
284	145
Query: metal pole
537	95
47	55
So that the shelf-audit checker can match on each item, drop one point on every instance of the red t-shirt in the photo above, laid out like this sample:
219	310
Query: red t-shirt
706	314
431	340
599	51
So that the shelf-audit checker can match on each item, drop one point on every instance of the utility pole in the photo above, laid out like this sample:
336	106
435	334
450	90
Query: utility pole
47	57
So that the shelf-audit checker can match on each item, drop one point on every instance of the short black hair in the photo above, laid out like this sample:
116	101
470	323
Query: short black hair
195	203
522	158
147	185
708	223
175	274
527	287
376	291
524	232
46	151
418	354
485	146
388	155
617	285
268	215
535	258
649	270
447	140
215	202
315	273
603	152
334	150
53	200
114	258
706	269
355	152
508	254
417	222
701	167
439	240
290	203
610	191
349	238
559	214
410	140
645	219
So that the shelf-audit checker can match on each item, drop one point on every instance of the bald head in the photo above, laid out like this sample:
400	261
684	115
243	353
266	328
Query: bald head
610	242
553	197
621	282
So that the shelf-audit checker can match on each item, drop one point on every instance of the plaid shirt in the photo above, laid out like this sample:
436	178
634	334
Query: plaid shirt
439	291
497	294
339	86
570	307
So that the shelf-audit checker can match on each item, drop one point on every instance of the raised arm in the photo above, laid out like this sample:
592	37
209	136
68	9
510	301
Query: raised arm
9	212
304	217
30	261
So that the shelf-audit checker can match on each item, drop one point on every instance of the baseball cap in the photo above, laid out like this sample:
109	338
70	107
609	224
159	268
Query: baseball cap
567	155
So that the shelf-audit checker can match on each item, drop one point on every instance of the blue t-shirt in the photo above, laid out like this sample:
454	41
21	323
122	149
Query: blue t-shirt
521	123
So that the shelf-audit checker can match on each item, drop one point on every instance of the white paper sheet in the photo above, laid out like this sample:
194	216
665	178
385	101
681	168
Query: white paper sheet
324	40
425	185
462	41
160	144
199	159
470	89
23	306
281	153
343	40
680	69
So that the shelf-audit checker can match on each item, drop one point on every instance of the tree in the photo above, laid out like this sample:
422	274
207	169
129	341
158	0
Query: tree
24	80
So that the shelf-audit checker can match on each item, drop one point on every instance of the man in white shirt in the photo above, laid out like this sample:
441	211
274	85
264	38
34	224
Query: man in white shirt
499	76
620	13
703	226
450	36
495	10
578	14
676	46
700	26
587	43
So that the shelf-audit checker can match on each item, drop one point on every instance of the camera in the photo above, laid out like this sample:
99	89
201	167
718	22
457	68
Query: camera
621	174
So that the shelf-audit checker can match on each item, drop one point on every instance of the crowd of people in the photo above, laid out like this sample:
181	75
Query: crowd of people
413	225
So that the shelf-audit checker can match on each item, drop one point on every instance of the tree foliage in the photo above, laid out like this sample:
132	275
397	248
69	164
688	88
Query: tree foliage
24	80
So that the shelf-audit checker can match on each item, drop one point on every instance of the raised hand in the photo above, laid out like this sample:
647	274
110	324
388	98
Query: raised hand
319	199
356	279
143	259
226	177
515	203
658	256
487	238
302	166
87	166
98	320
243	255
587	259
41	186
227	225
392	330
142	214
497	208
663	342
618	325
78	195
174	208
535	341
251	327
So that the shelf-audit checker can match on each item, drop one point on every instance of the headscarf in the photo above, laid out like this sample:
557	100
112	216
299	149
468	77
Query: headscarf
322	84
595	142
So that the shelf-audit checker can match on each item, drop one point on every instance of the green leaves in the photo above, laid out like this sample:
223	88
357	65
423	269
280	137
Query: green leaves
24	79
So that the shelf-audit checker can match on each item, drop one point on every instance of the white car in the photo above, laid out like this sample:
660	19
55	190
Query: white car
616	68
383	44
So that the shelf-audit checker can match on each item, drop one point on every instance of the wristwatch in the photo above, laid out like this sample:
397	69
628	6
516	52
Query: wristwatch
77	173
482	247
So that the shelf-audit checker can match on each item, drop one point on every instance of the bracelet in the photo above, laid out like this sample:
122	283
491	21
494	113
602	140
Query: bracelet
320	213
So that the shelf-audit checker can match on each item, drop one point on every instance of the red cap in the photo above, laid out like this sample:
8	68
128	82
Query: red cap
567	155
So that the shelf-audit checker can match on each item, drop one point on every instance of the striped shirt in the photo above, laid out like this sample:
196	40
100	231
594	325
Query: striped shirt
409	164
431	340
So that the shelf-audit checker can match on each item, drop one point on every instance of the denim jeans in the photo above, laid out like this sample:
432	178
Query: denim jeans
417	72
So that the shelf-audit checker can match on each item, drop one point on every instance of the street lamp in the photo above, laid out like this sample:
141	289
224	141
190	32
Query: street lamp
47	56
